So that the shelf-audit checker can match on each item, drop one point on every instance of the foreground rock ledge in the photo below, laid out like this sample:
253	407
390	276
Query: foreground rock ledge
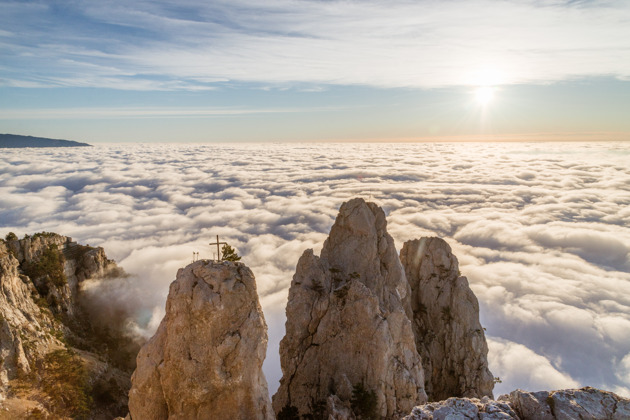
205	360
585	403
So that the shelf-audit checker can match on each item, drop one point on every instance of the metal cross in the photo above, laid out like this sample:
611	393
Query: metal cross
217	243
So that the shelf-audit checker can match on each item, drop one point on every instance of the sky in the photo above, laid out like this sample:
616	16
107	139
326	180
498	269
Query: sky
541	231
305	71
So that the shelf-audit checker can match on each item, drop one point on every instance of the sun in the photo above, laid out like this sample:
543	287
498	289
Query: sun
484	95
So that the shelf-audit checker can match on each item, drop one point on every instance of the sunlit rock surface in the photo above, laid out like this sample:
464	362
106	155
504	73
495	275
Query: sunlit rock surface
21	322
205	360
585	403
42	322
348	323
446	325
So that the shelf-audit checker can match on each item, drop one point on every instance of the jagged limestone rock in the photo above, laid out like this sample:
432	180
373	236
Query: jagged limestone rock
79	262
446	325
348	322
585	403
530	405
464	408
205	360
40	278
24	329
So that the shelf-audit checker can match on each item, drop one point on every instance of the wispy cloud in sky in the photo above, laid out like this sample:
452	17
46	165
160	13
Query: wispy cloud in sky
542	231
188	45
155	112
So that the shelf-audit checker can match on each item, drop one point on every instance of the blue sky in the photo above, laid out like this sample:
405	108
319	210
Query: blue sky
189	71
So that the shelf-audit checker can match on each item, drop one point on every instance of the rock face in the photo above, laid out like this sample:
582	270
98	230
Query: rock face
38	281
24	328
205	360
584	403
348	325
38	256
446	325
40	313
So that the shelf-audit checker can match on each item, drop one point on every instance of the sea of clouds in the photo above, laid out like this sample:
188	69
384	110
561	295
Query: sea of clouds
541	230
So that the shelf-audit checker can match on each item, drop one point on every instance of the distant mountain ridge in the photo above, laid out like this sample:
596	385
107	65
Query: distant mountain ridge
17	141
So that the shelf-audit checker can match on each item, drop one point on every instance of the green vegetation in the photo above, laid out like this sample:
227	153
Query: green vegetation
228	254
65	380
41	302
44	235
51	264
318	411
317	286
342	292
422	308
447	315
106	392
364	403
289	412
11	237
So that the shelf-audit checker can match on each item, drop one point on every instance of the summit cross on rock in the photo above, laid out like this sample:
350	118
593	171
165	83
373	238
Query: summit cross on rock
217	243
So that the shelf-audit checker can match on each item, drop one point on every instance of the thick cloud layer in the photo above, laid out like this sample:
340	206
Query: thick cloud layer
541	230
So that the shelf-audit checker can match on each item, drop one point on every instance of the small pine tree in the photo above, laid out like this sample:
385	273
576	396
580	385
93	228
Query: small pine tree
364	403
228	254
11	236
289	412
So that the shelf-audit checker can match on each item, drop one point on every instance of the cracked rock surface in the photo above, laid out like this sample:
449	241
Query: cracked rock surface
446	325
205	360
348	323
585	403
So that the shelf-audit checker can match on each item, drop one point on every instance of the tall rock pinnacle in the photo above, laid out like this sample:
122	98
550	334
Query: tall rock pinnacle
449	337
205	360
348	325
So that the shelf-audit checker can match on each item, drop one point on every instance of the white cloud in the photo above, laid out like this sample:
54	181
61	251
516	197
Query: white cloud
188	45
520	368
544	254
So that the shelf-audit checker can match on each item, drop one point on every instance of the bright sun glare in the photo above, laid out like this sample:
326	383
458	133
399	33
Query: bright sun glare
484	94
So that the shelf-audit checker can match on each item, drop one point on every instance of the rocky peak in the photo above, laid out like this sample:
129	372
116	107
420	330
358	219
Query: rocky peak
205	360
349	344
446	325
359	243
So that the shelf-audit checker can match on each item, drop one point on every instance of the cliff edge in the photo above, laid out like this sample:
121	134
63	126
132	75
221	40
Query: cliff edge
55	360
